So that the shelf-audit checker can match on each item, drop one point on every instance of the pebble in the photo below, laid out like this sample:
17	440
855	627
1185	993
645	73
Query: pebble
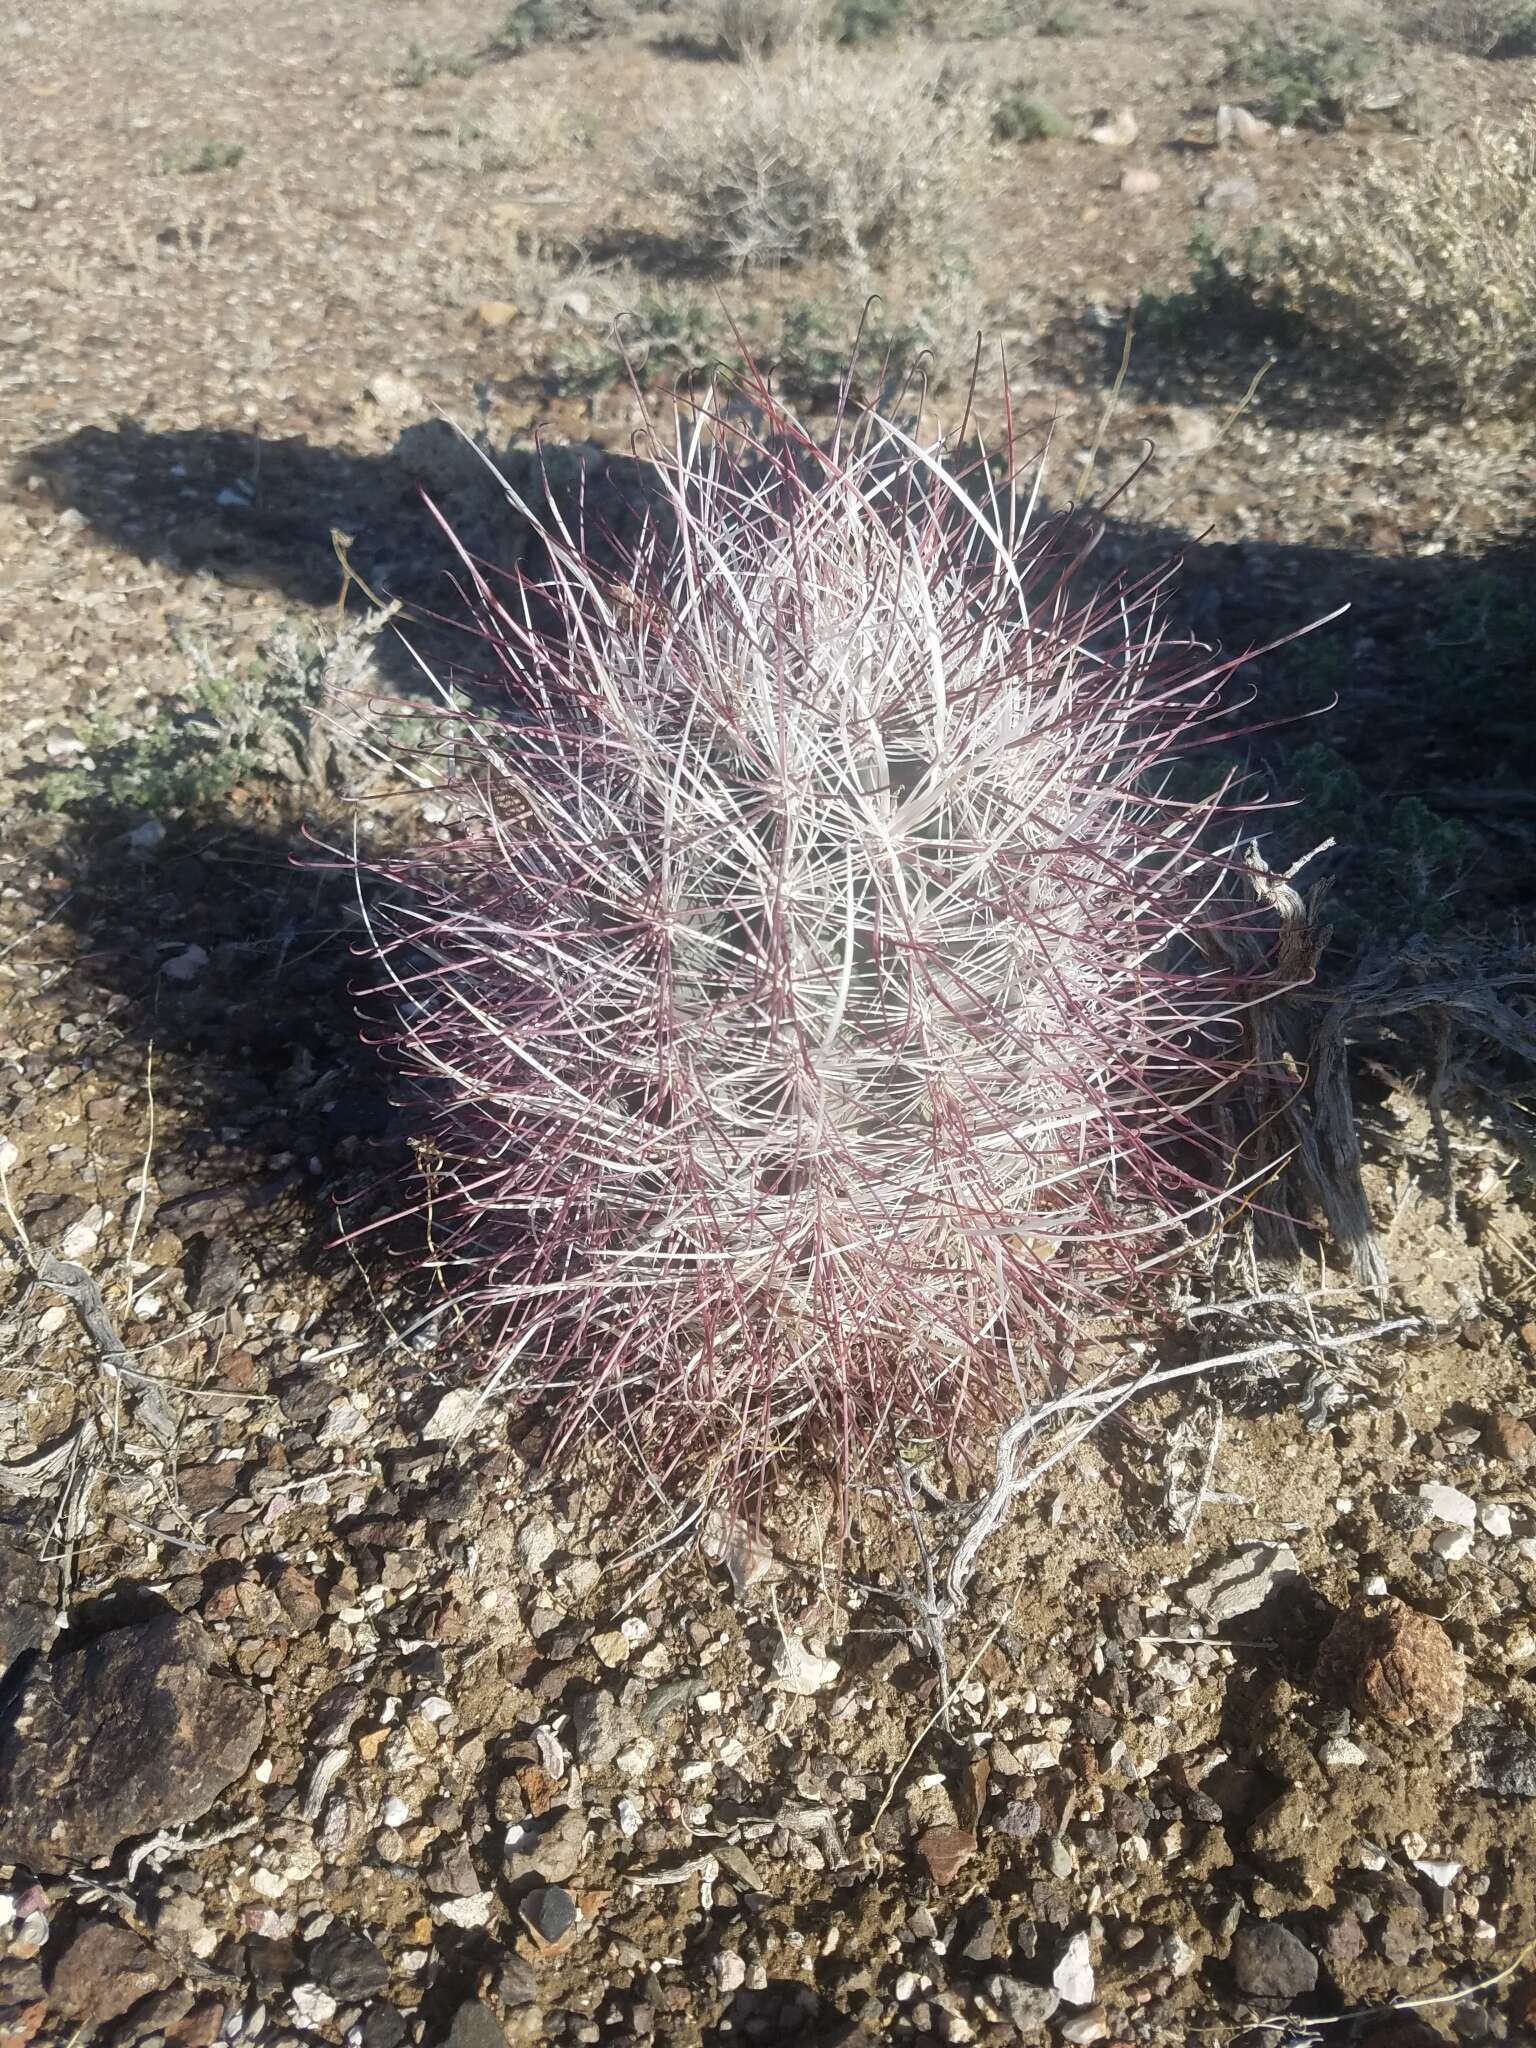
1225	195
799	1670
311	2005
1269	1962
473	1911
550	1916
1387	1659
1338	1753
1245	1581
946	1850
1236	125
1118	132
1089	2026
186	966
1496	1521
1025	2005
730	1971
1451	1544
1448	1504
1073	1976
1138	182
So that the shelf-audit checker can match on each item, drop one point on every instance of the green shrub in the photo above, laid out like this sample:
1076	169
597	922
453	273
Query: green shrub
222	729
1307	72
1020	117
205	159
867	21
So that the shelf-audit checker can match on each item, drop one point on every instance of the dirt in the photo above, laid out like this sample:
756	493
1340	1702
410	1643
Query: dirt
1052	1817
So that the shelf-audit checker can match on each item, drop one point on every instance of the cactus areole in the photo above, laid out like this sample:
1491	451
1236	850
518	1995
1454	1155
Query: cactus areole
825	997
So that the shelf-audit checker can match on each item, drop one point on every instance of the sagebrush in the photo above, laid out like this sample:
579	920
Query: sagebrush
825	1002
823	154
1427	268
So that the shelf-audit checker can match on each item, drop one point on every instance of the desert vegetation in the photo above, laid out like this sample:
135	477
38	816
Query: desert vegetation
766	1169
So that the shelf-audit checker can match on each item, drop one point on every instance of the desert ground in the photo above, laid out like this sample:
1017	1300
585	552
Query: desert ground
333	1710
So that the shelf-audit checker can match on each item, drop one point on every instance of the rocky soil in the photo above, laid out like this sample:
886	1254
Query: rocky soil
330	1713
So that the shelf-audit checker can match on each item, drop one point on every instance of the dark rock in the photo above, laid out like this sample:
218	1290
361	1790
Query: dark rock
162	2011
1501	1757
516	1981
382	2027
549	1914
348	1964
1020	1820
1509	1436
978	1934
305	1396
273	1963
451	1871
23	2004
105	1970
203	1488
1024	2005
27	1604
1343	1939
1268	1962
199	2028
475	2026
599	1727
215	1273
1128	1815
136	1731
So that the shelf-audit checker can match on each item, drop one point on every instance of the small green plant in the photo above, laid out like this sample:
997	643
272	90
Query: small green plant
1220	297
661	338
204	160
532	22
422	65
1308	72
1398	858
1020	116
1061	21
224	728
934	342
867	21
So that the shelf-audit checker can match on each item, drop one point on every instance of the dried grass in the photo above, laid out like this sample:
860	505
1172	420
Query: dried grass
821	155
1479	28
747	29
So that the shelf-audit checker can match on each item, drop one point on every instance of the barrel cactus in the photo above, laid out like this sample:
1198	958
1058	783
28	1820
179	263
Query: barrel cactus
823	998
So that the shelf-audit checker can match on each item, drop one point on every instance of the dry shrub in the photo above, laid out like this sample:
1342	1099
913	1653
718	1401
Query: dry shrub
1480	28
757	28
1429	269
825	155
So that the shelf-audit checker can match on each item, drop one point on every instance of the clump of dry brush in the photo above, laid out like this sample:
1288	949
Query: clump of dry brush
831	997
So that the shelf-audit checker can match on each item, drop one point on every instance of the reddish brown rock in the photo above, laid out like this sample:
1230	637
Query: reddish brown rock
105	1970
1509	1436
1387	1659
946	1850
